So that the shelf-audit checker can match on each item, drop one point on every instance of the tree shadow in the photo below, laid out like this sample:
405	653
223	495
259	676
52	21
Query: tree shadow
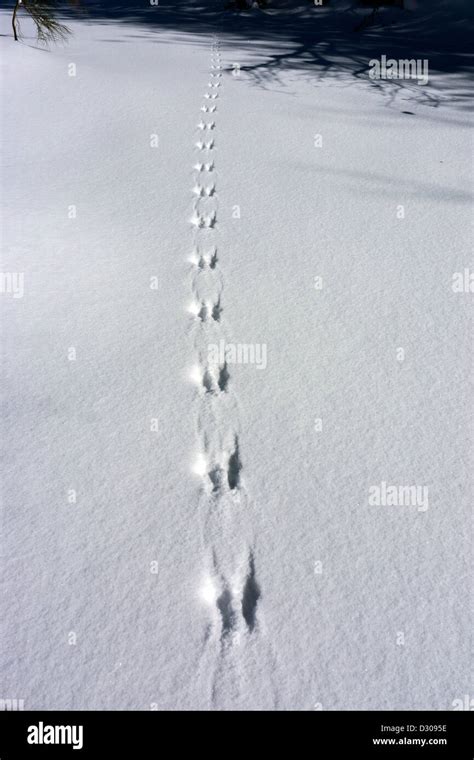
318	42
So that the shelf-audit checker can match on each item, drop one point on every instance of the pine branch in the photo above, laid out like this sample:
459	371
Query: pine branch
42	12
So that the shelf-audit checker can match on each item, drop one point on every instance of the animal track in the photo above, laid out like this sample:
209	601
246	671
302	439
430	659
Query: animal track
216	476
209	381
204	220
204	260
202	192
223	378
216	310
232	588
234	467
250	596
214	379
224	605
198	190
202	125
205	145
204	167
236	599
206	310
223	469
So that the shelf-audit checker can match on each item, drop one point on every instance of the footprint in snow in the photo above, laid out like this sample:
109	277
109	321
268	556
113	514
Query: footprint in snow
204	192
201	221
206	311
204	167
212	379
201	145
204	260
202	125
223	474
236	599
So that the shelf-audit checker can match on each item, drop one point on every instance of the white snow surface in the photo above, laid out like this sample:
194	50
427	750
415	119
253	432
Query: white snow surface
220	550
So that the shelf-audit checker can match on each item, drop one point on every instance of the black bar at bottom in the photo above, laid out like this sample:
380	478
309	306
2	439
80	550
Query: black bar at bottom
432	734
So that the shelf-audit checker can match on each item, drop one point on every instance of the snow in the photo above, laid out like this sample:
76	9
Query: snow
195	532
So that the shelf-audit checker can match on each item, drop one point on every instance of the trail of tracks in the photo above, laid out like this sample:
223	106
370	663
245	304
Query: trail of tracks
230	584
